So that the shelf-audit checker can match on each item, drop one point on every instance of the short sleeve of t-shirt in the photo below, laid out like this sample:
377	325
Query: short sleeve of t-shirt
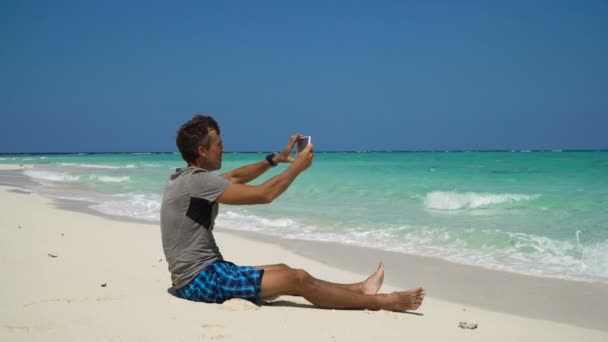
204	184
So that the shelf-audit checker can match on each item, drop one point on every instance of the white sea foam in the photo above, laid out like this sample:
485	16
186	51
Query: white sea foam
595	258
3	159
51	176
507	251
447	200
99	166
244	221
514	252
110	179
68	196
138	206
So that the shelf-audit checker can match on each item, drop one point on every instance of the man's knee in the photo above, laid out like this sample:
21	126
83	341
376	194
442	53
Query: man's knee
302	278
284	266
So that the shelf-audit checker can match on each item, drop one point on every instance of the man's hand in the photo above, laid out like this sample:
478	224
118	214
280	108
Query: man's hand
285	155
304	159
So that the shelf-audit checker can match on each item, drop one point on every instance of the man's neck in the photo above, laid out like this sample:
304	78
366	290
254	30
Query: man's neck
198	164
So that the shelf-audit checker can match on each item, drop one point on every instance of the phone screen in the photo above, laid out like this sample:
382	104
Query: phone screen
303	142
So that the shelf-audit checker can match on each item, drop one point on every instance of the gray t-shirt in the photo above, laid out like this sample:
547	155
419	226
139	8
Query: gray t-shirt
187	216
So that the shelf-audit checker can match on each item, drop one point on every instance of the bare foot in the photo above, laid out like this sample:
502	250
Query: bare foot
372	284
405	300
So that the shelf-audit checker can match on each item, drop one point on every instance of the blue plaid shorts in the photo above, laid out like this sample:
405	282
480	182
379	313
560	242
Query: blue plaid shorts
221	281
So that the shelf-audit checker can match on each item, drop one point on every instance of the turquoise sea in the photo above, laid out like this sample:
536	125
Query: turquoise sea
540	213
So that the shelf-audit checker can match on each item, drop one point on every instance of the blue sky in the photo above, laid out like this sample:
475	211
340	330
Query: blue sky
377	75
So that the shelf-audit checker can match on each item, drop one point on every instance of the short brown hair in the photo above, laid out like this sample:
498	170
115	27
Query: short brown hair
193	134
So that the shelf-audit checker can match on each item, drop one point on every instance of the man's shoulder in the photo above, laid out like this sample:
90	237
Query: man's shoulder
189	170
194	173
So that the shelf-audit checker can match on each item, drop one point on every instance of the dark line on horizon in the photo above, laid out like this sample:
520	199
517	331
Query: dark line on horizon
328	151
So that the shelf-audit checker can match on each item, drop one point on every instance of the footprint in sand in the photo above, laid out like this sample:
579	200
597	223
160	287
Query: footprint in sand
17	328
403	316
213	332
71	300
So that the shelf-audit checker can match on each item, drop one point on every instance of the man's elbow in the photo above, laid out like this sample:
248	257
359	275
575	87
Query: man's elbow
266	198
230	177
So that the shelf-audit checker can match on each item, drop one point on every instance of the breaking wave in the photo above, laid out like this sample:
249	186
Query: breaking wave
446	200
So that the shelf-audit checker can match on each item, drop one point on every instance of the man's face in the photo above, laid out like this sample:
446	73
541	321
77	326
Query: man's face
211	156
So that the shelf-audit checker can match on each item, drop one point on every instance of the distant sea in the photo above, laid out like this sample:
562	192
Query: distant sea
537	213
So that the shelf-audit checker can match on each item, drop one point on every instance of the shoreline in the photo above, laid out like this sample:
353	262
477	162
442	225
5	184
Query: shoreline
71	275
493	290
580	303
12	177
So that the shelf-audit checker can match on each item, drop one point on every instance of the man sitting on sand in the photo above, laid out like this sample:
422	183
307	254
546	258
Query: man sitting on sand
188	211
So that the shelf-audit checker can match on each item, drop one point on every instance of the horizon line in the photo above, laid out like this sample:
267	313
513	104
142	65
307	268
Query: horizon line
321	151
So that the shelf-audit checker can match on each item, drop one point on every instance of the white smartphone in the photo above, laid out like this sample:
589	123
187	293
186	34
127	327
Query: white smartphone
303	141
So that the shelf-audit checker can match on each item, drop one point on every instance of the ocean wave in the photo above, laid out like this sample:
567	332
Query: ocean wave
594	258
51	176
447	200
508	251
244	221
134	205
488	248
110	179
99	166
537	255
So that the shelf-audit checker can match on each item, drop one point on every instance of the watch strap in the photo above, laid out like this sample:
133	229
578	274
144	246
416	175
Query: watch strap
270	160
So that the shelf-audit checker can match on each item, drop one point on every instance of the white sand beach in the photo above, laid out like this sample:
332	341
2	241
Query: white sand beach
14	167
74	276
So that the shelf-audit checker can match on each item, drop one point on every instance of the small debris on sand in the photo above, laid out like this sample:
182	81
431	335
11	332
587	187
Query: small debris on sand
104	284
52	255
467	325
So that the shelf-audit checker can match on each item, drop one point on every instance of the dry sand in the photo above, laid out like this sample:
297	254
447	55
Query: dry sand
73	276
14	167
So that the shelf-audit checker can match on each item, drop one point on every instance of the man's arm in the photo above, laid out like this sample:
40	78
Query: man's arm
272	188
247	173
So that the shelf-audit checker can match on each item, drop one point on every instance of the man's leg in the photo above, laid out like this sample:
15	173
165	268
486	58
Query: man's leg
371	285
273	267
327	295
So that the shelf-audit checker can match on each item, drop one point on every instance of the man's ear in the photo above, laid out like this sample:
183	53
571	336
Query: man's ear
202	152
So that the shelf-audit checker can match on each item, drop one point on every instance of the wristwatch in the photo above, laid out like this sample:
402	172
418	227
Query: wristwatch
270	160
